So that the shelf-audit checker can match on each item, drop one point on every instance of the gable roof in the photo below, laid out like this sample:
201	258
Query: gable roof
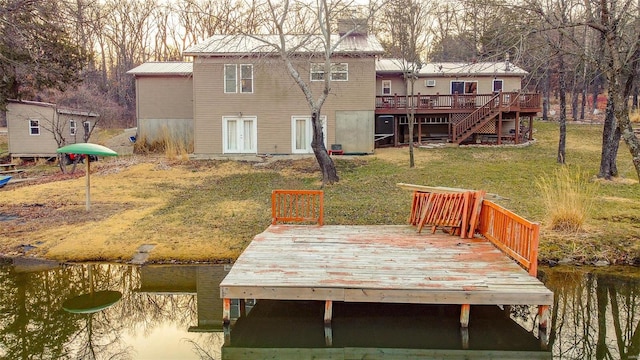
178	68
453	68
59	110
238	45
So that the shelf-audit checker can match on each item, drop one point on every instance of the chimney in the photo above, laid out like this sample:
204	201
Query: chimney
359	26
507	66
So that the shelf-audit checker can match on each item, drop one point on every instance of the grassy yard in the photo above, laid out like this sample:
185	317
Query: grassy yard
210	210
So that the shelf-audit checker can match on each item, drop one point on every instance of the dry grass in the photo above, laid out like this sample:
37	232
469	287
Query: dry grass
568	197
210	210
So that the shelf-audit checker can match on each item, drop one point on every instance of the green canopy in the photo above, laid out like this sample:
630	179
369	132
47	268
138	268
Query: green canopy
88	149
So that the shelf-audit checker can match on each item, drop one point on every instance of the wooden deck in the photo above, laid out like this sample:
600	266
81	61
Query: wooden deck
378	263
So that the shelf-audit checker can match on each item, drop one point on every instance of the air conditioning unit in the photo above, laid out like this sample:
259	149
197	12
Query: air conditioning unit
429	83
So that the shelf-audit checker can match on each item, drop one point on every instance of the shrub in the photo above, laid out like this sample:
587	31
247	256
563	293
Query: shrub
567	198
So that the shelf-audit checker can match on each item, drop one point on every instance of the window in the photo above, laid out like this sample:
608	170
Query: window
231	76
239	134
34	127
497	85
87	127
339	71
72	127
302	134
464	87
386	87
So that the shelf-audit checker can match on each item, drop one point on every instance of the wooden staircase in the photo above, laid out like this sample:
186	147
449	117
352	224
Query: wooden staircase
500	102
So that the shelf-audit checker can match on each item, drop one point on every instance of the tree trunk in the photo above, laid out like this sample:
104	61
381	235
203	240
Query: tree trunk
545	96
562	89
610	144
327	166
411	122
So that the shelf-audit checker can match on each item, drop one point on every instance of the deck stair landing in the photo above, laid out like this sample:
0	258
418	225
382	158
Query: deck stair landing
388	263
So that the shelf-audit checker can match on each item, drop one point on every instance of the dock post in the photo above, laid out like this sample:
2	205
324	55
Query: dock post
226	311
543	316
464	315
243	307
328	335
328	312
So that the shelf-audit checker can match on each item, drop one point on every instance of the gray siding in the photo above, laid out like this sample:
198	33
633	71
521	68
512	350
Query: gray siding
165	106
276	98
23	144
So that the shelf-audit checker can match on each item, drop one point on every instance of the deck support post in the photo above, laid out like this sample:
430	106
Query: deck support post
242	305
328	312
226	311
328	335
543	316
464	334
464	315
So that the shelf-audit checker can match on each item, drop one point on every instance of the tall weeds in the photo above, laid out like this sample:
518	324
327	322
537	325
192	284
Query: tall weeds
568	198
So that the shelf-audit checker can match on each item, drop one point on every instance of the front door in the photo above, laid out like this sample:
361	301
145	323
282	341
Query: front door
302	134
239	135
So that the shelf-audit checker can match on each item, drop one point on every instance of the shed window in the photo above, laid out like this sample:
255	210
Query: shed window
72	127
87	128
34	127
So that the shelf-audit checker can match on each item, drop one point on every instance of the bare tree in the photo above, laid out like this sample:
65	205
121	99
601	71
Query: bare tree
406	39
300	28
618	23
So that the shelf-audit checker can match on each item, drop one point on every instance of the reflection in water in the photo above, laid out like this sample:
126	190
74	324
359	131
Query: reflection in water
144	324
273	329
595	315
174	312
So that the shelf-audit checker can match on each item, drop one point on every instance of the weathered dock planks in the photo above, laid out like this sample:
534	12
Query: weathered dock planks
378	263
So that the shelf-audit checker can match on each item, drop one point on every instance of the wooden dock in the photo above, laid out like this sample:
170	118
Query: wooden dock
395	263
384	263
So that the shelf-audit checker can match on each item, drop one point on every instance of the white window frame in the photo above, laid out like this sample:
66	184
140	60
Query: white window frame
227	90
73	126
386	85
86	126
308	133
254	134
242	80
316	72
464	86
493	85
34	127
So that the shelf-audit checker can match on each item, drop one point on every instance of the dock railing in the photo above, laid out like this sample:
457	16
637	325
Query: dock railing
514	235
297	206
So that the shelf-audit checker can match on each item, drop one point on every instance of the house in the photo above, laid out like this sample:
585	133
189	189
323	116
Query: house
33	127
454	102
164	101
246	102
237	97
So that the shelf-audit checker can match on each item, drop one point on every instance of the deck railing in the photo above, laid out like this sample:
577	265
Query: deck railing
456	101
512	234
297	206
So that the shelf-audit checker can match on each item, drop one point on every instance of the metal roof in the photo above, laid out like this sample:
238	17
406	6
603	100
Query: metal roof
454	68
238	45
59	110
163	68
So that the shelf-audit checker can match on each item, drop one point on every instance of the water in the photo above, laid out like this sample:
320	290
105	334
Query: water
109	311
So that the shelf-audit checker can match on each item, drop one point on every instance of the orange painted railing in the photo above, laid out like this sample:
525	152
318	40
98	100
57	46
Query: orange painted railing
457	210
297	206
514	235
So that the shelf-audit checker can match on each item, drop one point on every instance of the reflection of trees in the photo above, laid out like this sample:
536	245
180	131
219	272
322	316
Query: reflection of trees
595	315
33	324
